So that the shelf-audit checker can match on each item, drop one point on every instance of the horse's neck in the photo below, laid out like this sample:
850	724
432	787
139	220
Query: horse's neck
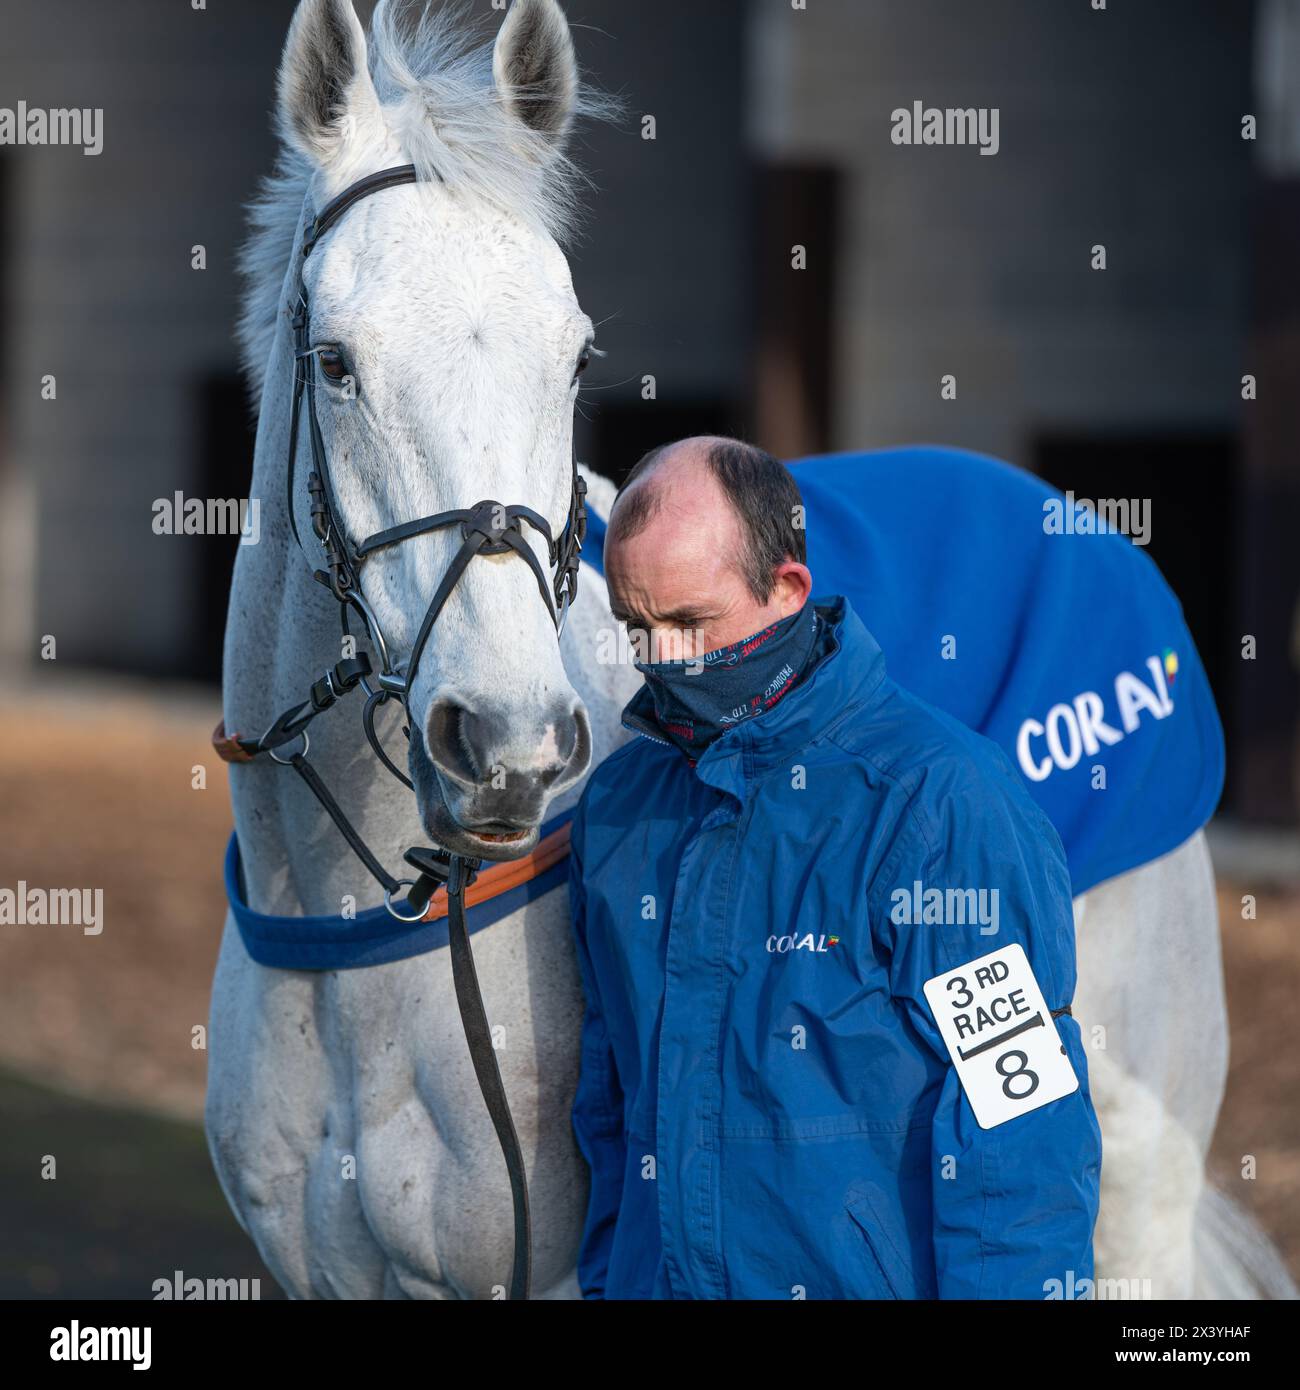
282	632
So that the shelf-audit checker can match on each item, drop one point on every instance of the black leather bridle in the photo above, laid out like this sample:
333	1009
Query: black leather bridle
487	528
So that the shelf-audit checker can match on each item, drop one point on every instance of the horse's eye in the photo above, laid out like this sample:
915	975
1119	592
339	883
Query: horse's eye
583	363
332	364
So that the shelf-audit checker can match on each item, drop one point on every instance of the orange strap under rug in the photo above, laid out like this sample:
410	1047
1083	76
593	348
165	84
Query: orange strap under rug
495	879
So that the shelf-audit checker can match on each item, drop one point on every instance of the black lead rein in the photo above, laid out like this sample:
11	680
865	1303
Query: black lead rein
487	528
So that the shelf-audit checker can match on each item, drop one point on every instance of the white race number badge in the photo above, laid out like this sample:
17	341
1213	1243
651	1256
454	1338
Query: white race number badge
1001	1036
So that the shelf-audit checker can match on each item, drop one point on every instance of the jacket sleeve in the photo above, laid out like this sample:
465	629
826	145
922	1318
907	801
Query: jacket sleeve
597	1107
1015	1205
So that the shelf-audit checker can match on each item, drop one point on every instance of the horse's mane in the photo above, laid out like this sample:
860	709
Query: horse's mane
432	69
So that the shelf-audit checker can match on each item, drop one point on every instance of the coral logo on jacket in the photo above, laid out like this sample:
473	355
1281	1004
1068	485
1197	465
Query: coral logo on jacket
780	945
1070	731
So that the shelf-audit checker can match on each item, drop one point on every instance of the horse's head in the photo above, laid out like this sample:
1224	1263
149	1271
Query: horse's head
447	346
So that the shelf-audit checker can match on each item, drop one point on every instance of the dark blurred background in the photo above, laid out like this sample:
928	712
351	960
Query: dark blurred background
1121	127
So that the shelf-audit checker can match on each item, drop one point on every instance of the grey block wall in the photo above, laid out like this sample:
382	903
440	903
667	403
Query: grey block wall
1118	127
100	294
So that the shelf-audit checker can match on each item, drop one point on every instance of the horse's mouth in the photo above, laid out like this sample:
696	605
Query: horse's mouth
489	840
490	831
509	838
496	843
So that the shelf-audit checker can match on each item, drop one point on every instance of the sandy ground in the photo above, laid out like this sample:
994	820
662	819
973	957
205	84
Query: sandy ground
1260	1118
98	792
100	795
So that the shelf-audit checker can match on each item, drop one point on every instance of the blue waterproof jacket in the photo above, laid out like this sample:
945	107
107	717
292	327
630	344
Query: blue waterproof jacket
780	1123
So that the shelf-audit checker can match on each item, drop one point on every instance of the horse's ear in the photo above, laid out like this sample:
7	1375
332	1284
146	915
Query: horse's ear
326	97
534	68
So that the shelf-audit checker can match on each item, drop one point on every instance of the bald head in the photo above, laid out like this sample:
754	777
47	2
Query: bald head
705	536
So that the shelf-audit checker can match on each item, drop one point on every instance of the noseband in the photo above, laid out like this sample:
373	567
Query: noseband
487	528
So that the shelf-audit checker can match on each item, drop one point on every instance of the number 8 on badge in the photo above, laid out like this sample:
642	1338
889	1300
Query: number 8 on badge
1001	1036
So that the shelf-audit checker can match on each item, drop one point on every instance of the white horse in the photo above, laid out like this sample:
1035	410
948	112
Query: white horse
343	1114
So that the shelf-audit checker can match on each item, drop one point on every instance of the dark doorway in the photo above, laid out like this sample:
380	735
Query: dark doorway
227	438
620	432
794	368
1191	483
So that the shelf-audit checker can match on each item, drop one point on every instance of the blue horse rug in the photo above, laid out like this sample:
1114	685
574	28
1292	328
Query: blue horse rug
996	600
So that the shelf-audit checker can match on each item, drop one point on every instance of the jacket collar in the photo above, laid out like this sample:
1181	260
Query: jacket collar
845	678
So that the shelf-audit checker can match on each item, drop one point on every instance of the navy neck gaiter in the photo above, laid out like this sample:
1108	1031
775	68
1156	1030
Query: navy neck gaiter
698	699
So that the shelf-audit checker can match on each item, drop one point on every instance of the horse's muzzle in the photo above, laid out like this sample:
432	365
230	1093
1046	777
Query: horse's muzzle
480	783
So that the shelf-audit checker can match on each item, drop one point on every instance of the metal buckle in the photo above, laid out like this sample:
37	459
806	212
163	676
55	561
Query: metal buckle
386	684
273	753
393	912
564	608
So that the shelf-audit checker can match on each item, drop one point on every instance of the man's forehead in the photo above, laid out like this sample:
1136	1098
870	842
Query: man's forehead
686	503
694	533
680	564
685	535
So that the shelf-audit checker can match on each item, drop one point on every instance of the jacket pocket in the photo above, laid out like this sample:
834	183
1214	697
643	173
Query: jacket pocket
881	1251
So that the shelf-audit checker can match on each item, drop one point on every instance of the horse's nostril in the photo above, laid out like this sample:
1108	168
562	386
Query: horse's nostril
450	746
575	744
566	738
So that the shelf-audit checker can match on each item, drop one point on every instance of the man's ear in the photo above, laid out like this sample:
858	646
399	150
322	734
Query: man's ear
793	586
326	97
535	70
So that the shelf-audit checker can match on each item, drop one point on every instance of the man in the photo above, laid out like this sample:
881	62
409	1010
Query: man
763	886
